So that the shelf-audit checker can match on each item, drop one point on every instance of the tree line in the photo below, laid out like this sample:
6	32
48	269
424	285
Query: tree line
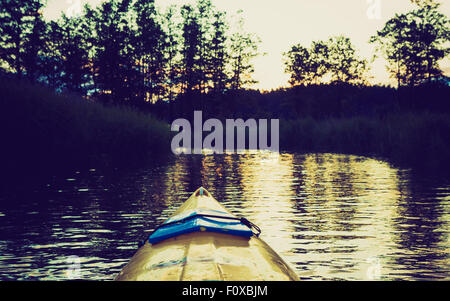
413	43
127	51
130	52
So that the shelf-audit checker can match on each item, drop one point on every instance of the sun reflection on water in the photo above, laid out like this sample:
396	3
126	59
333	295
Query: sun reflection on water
330	216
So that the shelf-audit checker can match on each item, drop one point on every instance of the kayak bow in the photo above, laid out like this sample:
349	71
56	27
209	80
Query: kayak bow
202	240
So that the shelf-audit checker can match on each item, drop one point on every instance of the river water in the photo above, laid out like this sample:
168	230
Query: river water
332	217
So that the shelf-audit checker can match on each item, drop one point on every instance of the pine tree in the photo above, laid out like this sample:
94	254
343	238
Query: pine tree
205	13
68	46
191	50
22	32
114	65
150	41
171	54
244	48
219	53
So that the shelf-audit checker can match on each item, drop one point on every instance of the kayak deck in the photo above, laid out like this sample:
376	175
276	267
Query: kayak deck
206	255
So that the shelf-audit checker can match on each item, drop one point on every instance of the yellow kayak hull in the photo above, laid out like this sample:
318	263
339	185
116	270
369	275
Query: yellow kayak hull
206	255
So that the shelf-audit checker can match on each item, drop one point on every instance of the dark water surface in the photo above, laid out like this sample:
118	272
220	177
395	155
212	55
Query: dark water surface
330	216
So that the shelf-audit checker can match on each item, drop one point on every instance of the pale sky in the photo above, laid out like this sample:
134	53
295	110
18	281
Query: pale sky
283	23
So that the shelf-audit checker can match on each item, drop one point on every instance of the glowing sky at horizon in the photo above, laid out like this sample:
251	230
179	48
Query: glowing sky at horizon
283	23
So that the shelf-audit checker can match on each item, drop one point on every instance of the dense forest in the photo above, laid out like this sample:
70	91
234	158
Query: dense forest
132	53
107	82
128	52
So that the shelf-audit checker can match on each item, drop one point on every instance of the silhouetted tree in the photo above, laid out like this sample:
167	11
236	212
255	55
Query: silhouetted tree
126	51
52	63
244	48
335	58
413	43
212	46
171	53
306	66
150	43
22	32
115	67
342	63
67	55
34	47
219	53
191	49
205	13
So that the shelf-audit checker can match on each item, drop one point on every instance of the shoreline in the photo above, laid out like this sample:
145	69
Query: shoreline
45	131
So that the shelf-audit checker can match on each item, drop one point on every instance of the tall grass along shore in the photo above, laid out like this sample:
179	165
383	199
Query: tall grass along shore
41	130
408	139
